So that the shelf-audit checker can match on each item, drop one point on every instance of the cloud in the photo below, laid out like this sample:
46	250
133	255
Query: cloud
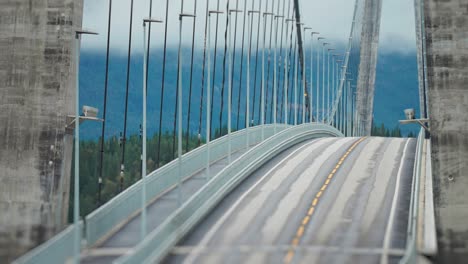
397	30
332	18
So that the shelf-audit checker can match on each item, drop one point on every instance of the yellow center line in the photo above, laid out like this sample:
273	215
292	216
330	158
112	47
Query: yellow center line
314	203
300	231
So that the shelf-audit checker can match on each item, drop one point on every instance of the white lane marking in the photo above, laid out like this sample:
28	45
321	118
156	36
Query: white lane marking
388	231
386	170
208	236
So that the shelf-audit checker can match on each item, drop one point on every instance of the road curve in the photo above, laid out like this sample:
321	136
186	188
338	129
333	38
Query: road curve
331	200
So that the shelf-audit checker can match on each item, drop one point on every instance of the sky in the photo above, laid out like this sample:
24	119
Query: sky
332	18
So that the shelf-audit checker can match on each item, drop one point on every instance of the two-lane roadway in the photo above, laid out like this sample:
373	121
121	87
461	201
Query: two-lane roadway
331	200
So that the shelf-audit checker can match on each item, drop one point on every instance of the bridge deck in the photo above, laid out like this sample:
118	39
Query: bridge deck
128	236
359	213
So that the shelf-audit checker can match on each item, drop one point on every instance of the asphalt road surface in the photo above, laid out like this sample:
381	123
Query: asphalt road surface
331	200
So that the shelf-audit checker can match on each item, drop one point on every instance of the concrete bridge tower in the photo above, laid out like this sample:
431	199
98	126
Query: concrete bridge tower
37	77
442	30
369	45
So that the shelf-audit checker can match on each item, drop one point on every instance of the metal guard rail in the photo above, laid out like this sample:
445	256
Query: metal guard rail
59	249
159	242
110	217
411	254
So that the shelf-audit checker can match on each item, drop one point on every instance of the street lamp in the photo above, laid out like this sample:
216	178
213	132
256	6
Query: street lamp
323	80
304	88
337	85
410	119
275	76
179	111
143	158
230	84
328	84
311	72
76	190
318	79
208	94
286	82
342	94
265	14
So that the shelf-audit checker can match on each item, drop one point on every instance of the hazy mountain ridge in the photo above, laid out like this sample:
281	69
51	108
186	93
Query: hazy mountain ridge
396	89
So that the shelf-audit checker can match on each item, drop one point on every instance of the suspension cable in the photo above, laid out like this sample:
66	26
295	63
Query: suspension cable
106	83
241	65
224	72
214	71
268	68
124	136
191	78
158	158
203	74
282	64
149	43
290	68
256	64
249	58
234	54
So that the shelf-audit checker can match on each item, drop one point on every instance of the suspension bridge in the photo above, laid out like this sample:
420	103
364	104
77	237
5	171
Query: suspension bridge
284	169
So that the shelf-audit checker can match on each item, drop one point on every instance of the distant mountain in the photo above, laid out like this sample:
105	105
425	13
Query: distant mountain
396	89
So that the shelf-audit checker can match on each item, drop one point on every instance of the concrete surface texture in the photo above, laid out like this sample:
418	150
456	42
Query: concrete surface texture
368	63
36	94
421	59
446	33
333	202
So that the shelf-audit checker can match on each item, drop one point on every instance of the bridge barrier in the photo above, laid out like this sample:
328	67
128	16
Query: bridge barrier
159	242
110	217
411	253
59	249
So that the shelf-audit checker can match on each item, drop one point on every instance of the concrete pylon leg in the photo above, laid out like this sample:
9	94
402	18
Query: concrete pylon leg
37	58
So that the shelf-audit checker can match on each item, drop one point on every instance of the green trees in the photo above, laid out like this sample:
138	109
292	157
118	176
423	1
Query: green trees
382	131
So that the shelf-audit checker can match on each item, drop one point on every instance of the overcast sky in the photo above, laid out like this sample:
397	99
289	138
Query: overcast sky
332	18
